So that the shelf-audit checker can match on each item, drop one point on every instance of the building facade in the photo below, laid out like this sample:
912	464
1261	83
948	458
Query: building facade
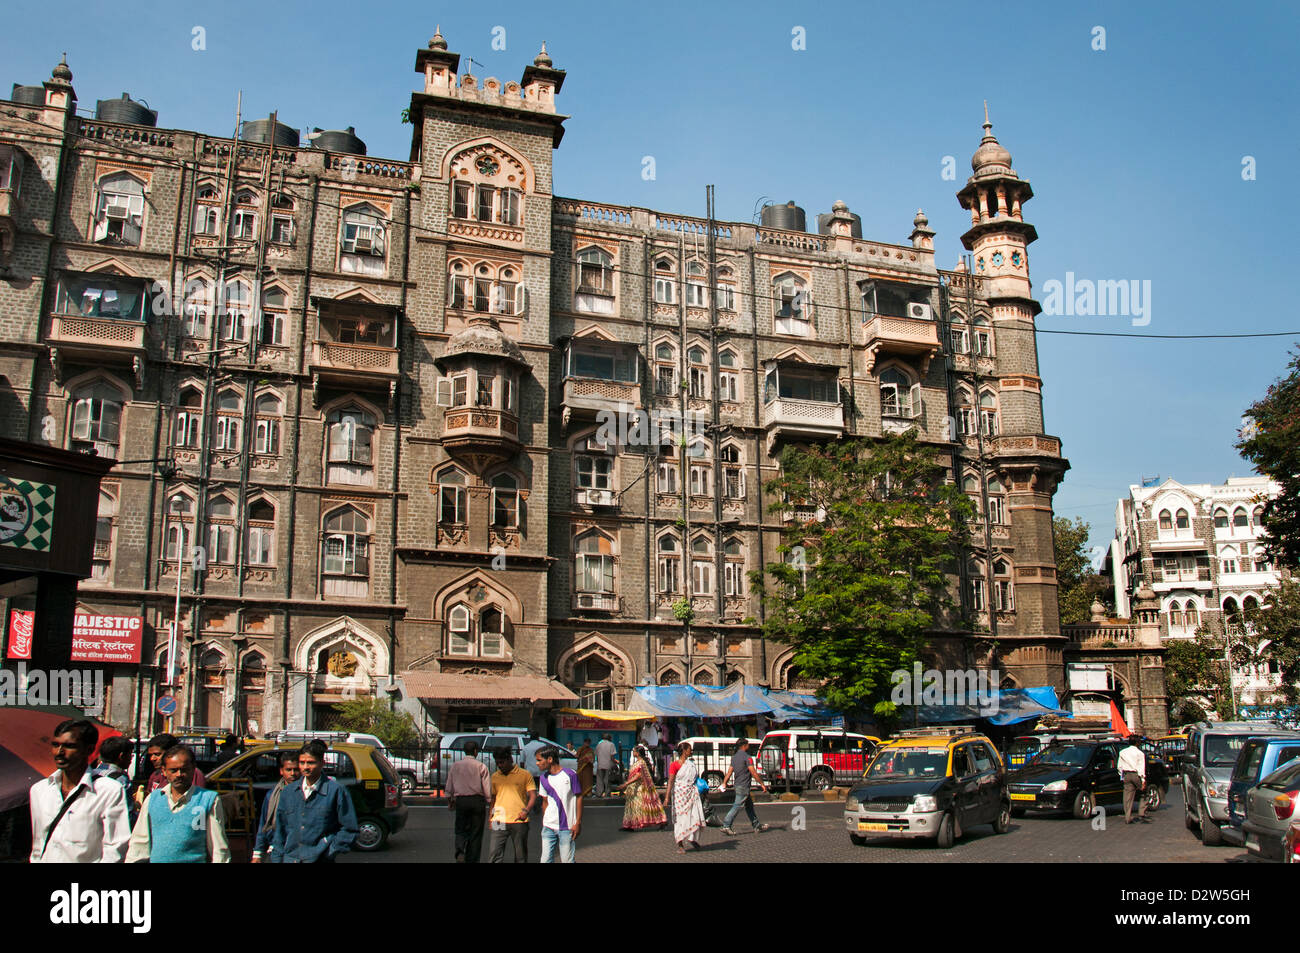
1197	546
375	395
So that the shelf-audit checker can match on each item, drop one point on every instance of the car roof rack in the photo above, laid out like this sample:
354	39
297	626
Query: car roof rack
936	731
292	735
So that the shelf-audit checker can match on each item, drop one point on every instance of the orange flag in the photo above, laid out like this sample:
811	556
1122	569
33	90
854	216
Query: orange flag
1117	721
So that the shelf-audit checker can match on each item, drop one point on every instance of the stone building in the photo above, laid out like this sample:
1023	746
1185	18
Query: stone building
1197	547
382	384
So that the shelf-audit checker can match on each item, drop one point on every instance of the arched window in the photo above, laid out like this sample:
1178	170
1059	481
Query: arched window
505	501
105	518
1240	519
1220	519
975	586
453	498
702	677
1191	615
119	210
198	306
221	529
595	282
188	423
670	677
229	421
698	371
791	306
244	223
1003	588
733	473
364	244
1166	521
1228	560
477	632
725	290
350	450
96	419
665	282
700	456
594	679
983	337
899	397
1175	615
346	564
261	533
988	414
232	324
728	375
701	566
1259	518
697	287
733	567
180	526
665	370
1181	520
594	565
269	409
207	210
670	564
481	193
997	502
966	420
970	485
958	334
275	311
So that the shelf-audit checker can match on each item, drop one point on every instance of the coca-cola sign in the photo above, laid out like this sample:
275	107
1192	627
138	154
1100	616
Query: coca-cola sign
22	630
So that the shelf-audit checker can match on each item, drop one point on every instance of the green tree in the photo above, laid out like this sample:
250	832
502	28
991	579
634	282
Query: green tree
871	540
1196	678
1076	584
1275	638
1271	441
372	716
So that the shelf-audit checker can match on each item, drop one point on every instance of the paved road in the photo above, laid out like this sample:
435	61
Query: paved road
815	833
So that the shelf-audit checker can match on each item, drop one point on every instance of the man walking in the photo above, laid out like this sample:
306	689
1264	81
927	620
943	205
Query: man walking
468	793
180	823
561	806
289	774
605	752
77	818
742	770
114	760
1133	769
315	820
513	795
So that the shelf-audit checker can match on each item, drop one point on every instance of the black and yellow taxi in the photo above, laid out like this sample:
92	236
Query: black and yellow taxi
930	783
364	771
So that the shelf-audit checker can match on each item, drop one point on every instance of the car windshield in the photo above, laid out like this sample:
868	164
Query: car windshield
909	763
1222	750
1063	755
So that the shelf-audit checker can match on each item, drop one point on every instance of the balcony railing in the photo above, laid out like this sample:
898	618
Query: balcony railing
113	334
595	602
1184	575
366	359
910	334
1098	636
792	412
596	394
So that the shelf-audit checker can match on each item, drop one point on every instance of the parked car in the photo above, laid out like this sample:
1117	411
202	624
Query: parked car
1170	749
1207	765
208	745
815	758
930	784
1023	748
522	743
1259	758
713	756
1078	774
1272	816
363	770
412	772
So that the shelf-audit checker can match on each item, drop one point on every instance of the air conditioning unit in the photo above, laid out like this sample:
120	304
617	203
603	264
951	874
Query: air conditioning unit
920	311
117	213
600	498
595	600
364	244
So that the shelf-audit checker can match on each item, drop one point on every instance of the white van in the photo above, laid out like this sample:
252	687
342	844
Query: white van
713	757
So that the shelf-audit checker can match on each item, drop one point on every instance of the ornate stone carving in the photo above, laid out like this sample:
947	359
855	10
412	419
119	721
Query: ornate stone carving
342	664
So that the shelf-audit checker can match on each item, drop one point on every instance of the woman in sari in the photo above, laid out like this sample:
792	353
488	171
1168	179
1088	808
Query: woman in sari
642	807
586	767
688	813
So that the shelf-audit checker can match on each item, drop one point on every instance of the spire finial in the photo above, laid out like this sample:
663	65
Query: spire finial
438	42
988	126
61	72
543	58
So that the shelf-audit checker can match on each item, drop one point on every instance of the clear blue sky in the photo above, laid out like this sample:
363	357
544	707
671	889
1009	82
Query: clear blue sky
1135	152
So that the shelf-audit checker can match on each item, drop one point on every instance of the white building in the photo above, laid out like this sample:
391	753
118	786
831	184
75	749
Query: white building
1198	545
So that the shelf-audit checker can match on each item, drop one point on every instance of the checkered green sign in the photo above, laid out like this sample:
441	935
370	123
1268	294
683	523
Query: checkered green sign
26	514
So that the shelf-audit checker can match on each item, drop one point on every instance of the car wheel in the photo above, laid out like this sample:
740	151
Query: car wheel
1082	805
945	838
371	834
1002	823
819	781
1211	836
714	780
857	840
407	781
1153	798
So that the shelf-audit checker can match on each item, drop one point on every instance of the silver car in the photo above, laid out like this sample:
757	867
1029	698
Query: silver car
1271	807
1212	749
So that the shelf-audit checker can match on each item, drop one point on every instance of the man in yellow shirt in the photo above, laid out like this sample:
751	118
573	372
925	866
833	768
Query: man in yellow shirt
514	792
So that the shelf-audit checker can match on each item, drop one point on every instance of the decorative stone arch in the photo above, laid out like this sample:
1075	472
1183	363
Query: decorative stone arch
344	635
1009	683
458	163
467	589
112	266
352	397
595	331
900	365
594	645
73	384
671	675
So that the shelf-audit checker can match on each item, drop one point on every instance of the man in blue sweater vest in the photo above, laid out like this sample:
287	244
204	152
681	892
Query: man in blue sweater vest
180	823
315	820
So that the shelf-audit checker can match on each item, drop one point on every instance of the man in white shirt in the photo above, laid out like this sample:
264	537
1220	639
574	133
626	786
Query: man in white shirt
77	818
1133	769
605	752
561	806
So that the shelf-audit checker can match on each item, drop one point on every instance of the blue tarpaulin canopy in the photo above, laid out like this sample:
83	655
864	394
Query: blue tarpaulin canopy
734	701
1014	705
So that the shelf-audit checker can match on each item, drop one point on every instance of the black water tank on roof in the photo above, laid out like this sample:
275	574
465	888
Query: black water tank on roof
28	95
338	140
788	216
126	110
259	130
824	224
